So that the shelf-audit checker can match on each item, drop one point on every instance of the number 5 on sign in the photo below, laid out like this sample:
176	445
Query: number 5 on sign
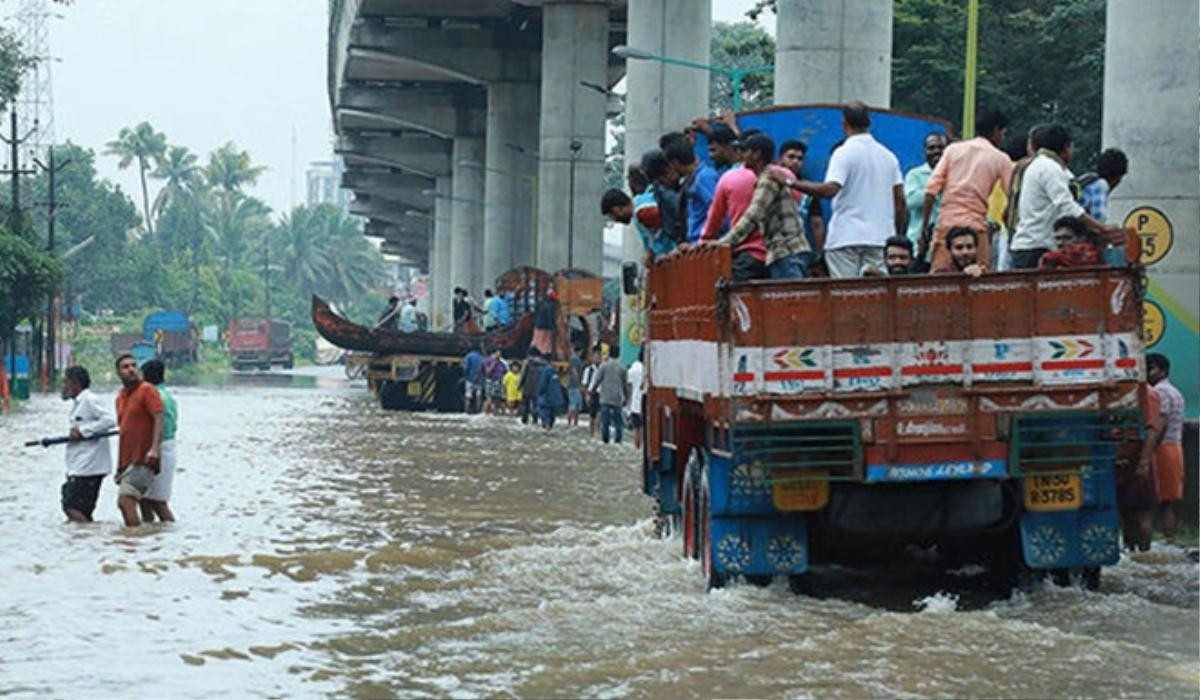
1155	231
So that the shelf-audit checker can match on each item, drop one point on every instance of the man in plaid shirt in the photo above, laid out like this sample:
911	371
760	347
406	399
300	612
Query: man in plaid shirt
772	211
1098	186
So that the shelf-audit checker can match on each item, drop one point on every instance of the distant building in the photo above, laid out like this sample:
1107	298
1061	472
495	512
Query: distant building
324	180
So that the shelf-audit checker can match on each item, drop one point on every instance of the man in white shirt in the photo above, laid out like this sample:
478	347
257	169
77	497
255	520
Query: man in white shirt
1045	198
88	460
867	189
636	376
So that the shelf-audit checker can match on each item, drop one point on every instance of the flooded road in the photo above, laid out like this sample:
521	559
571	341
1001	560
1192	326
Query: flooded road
327	548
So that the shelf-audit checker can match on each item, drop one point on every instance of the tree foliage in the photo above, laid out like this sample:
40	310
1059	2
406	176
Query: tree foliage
741	45
1039	61
27	277
212	249
13	62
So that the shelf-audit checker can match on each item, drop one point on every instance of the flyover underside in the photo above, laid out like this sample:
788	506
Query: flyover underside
440	113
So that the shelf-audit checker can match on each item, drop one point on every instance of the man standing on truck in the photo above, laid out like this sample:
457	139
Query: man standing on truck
611	383
734	192
140	416
773	212
408	316
915	181
867	189
88	460
699	185
1046	197
964	177
791	156
390	315
1168	457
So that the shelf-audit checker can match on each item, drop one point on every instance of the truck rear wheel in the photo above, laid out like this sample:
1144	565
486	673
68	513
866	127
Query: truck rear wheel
689	504
712	577
393	396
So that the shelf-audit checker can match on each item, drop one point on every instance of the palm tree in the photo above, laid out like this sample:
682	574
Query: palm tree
234	224
355	265
229	170
300	251
144	144
180	172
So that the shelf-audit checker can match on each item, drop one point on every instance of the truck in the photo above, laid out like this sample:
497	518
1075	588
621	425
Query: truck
422	370
261	343
794	422
174	337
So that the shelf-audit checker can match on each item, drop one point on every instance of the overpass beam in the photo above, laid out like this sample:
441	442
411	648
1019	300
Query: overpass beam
833	51
571	171
510	178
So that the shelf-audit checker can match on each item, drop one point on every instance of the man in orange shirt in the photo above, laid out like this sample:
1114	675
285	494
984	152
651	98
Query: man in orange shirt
140	416
965	176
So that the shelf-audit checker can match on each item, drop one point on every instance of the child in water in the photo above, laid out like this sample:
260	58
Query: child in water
512	386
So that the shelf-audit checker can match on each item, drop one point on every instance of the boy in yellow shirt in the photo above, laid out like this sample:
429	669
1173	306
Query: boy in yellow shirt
512	386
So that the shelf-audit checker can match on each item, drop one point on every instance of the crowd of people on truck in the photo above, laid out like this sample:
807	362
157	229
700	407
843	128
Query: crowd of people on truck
147	416
970	208
539	390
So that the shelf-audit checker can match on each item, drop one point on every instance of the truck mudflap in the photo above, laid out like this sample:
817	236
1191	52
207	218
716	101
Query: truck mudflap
758	546
1068	465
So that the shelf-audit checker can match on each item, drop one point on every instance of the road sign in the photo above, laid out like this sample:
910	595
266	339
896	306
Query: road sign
1155	230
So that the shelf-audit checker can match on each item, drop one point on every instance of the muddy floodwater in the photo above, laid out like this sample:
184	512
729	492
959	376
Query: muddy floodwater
327	548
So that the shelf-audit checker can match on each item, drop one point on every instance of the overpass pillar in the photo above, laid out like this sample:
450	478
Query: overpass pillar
571	168
1151	112
439	258
466	220
510	178
833	51
661	97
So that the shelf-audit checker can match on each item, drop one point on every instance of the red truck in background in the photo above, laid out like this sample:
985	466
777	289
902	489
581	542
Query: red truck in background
261	343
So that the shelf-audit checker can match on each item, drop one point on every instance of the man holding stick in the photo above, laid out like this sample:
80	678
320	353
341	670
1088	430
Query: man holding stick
140	414
88	458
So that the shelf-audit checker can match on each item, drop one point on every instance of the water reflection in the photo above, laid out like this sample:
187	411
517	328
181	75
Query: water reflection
326	547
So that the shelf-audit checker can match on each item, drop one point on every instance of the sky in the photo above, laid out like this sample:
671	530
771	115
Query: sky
205	72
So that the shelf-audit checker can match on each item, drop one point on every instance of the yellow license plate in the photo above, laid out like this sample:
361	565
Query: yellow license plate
1053	492
414	389
799	490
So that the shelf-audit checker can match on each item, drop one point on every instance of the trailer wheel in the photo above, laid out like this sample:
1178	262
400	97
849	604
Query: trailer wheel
712	578
393	396
689	503
289	362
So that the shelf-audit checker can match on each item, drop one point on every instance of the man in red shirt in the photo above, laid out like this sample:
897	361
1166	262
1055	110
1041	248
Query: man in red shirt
735	189
140	417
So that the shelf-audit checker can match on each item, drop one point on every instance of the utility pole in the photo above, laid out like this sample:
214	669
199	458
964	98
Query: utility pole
52	204
15	172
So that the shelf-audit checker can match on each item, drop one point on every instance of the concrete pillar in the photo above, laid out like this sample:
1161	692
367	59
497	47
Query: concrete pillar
660	97
833	51
1151	112
512	141
466	221
439	259
571	180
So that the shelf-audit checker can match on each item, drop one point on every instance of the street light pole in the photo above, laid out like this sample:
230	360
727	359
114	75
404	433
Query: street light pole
735	75
576	147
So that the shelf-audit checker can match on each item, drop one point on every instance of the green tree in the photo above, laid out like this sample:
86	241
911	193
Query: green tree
741	45
1039	61
145	145
13	63
230	170
27	278
183	179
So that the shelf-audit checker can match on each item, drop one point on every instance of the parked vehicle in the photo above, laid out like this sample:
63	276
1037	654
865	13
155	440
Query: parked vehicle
174	337
261	343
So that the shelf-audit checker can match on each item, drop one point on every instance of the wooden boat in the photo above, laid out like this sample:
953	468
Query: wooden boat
513	341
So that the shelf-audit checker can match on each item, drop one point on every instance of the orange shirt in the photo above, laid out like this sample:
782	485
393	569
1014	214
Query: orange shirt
135	416
965	177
